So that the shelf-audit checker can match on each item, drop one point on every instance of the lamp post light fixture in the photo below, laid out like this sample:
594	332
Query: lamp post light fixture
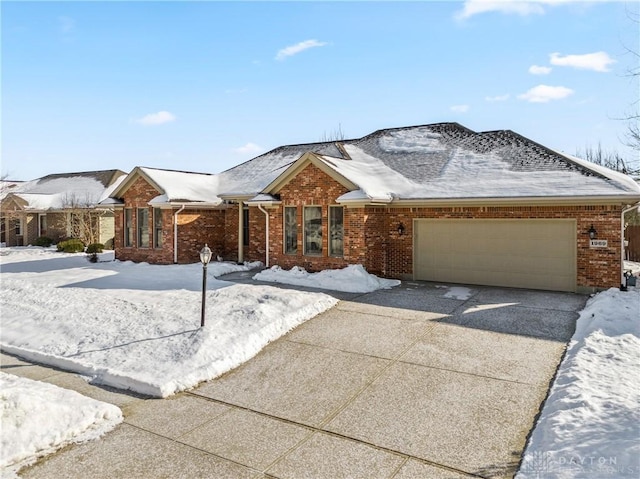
205	257
592	233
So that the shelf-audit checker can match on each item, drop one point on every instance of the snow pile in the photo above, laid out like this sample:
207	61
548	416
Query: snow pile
632	266
220	268
39	418
457	292
352	279
590	424
137	326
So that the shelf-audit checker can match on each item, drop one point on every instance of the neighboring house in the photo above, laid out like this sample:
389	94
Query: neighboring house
435	202
6	186
60	206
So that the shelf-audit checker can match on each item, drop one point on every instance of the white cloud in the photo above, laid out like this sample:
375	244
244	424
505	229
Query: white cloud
538	70
156	118
475	7
504	97
66	24
249	148
598	61
515	7
297	48
546	93
460	108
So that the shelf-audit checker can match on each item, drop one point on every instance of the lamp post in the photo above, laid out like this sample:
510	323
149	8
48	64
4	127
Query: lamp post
205	257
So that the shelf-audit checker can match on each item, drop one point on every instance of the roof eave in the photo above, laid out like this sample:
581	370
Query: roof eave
521	200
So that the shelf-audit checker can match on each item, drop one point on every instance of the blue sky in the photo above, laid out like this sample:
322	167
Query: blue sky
203	86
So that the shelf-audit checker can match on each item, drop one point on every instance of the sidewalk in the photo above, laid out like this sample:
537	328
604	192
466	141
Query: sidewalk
401	383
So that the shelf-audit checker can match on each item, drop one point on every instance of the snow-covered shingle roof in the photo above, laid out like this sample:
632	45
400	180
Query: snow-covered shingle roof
449	161
173	186
182	186
428	162
61	190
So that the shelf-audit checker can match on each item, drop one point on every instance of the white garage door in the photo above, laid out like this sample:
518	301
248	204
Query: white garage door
537	254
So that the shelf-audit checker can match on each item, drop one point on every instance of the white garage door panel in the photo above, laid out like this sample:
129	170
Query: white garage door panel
538	254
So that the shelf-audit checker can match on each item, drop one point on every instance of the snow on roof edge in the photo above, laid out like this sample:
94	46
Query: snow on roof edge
623	179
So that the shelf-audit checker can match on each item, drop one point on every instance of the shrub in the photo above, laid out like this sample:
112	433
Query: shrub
95	248
44	241
71	246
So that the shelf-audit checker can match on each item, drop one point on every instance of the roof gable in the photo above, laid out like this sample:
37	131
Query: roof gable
130	179
174	186
324	164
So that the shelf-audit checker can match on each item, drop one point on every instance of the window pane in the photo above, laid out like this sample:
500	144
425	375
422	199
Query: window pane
143	228
290	230
313	230
245	226
43	225
157	227
336	230
128	227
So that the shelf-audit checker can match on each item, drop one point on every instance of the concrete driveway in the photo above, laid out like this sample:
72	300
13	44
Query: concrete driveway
422	381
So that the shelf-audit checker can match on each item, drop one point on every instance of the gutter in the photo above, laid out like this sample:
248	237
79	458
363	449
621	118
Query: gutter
622	248
266	214
517	201
175	233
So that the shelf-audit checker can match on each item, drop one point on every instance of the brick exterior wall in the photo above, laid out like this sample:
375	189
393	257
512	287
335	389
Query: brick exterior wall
231	233
311	187
596	267
371	234
195	228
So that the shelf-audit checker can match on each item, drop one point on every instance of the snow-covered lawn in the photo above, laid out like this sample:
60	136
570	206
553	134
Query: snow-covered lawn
137	326
590	424
39	418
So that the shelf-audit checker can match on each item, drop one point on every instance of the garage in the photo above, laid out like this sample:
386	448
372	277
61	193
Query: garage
519	253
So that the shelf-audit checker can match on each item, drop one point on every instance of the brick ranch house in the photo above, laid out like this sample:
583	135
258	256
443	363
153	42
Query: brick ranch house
51	206
435	202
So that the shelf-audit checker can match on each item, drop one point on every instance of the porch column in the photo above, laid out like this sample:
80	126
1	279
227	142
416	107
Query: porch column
240	232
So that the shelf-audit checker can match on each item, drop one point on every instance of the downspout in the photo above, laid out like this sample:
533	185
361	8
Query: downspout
622	248
175	233
266	214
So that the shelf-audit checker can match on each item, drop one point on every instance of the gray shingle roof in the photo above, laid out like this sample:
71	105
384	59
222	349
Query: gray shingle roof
428	154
